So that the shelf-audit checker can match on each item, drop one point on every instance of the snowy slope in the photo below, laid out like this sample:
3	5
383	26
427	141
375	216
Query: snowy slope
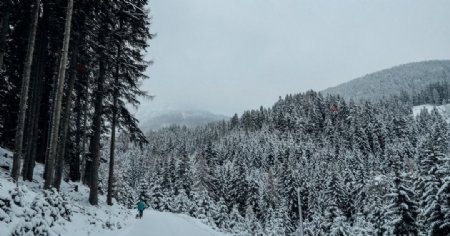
411	77
443	109
166	224
29	210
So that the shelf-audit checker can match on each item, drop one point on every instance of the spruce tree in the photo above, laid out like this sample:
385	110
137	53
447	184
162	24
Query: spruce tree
401	209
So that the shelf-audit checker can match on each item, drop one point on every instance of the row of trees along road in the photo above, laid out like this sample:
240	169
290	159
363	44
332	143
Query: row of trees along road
68	69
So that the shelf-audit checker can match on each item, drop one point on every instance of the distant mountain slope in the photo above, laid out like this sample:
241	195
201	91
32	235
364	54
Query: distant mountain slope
411	77
189	118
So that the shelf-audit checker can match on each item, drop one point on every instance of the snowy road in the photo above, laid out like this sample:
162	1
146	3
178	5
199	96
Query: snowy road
166	224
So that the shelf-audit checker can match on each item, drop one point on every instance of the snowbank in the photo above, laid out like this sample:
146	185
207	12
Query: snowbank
27	209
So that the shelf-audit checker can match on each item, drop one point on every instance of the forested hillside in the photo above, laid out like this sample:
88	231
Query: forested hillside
362	169
411	77
155	120
434	93
69	72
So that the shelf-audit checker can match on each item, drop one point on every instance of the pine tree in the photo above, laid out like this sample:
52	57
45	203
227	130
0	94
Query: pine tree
339	226
236	223
274	223
182	204
221	217
401	213
251	222
156	198
432	155
239	187
18	152
287	189
183	173
444	196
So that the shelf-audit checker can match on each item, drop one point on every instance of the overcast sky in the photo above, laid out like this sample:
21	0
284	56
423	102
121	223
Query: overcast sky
233	55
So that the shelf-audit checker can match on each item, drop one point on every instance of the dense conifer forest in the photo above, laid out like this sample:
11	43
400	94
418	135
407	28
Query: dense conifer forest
361	168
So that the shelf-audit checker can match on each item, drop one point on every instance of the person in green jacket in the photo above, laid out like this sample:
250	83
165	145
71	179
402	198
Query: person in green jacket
141	207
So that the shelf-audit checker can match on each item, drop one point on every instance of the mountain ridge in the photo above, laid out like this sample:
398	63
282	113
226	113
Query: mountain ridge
182	117
410	77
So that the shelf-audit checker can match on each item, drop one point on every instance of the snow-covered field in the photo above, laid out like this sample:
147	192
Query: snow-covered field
29	210
443	109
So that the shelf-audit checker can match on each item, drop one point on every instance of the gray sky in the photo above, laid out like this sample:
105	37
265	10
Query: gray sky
233	55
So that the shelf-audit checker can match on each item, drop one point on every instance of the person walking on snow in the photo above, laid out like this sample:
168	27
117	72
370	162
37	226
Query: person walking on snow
141	207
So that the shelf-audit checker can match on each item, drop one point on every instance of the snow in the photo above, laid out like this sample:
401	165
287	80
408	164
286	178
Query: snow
166	224
30	210
5	153
444	110
378	178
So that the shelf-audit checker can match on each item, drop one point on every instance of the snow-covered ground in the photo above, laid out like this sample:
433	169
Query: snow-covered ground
29	210
165	224
443	109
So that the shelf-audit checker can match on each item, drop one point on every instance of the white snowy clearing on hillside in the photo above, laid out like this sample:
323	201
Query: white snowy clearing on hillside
29	210
165	224
443	109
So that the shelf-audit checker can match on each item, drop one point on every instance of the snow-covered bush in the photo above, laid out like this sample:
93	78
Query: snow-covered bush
56	206
34	226
5	208
45	212
17	195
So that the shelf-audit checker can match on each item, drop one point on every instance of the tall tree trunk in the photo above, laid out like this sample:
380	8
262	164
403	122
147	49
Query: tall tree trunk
53	144
66	113
28	165
112	150
24	95
94	148
49	114
85	160
30	114
4	31
74	164
74	171
113	130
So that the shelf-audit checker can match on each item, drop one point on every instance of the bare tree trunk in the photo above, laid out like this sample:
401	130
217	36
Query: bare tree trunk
84	159
49	114
4	30
74	171
94	148
29	161
24	95
53	144
74	165
112	149
30	116
113	131
65	121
